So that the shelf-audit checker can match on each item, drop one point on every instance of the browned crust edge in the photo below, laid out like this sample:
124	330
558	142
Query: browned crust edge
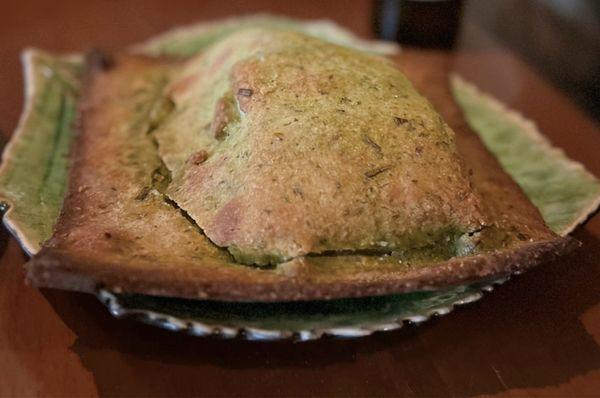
56	269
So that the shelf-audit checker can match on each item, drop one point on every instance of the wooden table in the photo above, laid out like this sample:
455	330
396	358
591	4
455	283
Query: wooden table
538	335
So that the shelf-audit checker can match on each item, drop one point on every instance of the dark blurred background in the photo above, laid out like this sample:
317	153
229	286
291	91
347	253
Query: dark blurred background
559	38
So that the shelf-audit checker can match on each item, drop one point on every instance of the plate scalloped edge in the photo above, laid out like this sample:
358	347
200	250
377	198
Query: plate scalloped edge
198	327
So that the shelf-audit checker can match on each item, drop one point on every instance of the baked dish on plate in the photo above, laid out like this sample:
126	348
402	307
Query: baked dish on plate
283	171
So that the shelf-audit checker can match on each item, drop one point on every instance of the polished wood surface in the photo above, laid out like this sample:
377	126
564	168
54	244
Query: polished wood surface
537	335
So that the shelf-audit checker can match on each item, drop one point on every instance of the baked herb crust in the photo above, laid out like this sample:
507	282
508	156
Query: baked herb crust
119	230
308	148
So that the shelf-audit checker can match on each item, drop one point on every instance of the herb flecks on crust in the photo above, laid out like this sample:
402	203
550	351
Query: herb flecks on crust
312	148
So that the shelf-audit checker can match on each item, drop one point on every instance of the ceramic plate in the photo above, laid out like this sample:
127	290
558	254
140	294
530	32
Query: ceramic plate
296	320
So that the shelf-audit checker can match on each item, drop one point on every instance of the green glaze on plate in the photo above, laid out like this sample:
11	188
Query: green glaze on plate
562	189
303	321
34	164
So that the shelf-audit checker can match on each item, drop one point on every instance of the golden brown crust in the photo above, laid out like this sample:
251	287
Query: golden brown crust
331	150
62	270
117	232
